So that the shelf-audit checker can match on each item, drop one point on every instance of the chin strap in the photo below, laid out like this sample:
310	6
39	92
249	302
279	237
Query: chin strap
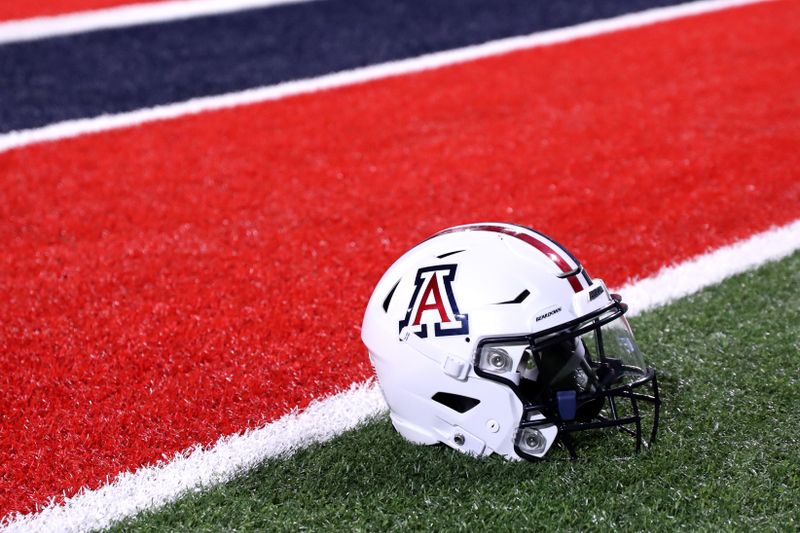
451	365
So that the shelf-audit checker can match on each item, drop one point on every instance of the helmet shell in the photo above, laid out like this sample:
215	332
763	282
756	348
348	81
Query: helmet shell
454	289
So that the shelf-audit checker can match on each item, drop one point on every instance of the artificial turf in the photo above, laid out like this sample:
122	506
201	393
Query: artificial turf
167	284
728	455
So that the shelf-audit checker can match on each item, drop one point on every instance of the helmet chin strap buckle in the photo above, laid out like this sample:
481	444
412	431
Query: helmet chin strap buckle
452	366
567	401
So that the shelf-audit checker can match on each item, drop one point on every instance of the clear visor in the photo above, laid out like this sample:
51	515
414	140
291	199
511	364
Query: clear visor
585	374
614	342
597	354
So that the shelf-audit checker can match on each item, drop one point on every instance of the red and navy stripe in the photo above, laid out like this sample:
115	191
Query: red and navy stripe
541	242
114	71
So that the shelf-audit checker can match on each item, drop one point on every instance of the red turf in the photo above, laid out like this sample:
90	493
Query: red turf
14	9
167	284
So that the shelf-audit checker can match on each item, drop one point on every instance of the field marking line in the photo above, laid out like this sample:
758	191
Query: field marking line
196	469
680	280
44	27
84	126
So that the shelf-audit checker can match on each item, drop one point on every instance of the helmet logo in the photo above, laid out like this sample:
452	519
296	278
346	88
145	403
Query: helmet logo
433	302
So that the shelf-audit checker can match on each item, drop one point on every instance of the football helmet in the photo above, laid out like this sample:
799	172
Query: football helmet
492	338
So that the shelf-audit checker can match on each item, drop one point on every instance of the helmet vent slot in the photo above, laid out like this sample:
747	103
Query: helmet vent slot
518	300
389	297
456	402
454	252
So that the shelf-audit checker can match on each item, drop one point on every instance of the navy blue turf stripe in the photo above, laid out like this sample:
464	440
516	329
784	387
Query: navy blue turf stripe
85	75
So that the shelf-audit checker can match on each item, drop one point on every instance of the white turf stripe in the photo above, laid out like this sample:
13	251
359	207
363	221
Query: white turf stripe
122	16
73	128
196	469
673	282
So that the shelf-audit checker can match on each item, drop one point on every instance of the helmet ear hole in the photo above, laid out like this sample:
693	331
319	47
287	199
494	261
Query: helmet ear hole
456	402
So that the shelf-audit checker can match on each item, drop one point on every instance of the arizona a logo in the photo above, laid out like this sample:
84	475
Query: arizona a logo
433	303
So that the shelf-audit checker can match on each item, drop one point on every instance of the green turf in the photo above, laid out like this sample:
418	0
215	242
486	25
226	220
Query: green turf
728	457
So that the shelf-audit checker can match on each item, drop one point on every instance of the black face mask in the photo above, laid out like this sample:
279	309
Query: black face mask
565	366
588	375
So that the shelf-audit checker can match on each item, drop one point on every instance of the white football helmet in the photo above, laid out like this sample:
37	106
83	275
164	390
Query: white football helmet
491	338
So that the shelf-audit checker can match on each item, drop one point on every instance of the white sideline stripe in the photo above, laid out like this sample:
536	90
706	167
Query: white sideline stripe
74	128
123	16
677	281
196	469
